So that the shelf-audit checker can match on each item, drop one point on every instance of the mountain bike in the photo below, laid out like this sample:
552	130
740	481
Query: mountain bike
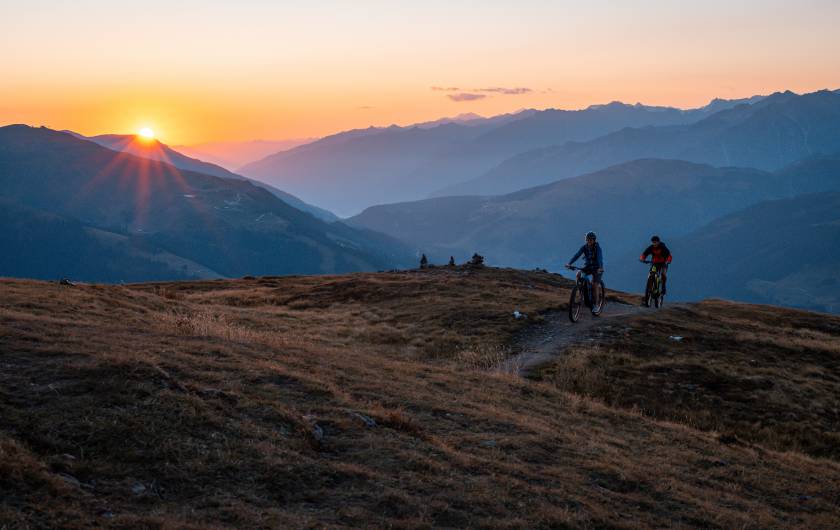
653	288
582	295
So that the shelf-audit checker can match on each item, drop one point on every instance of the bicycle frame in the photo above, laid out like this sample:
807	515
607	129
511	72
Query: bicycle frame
585	286
583	279
656	272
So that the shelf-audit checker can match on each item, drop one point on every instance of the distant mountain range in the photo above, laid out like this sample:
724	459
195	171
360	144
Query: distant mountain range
472	119
155	150
99	210
350	171
744	191
767	134
233	155
555	127
625	204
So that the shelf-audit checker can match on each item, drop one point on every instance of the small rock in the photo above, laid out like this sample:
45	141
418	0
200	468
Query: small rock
138	489
217	393
367	420
317	432
73	481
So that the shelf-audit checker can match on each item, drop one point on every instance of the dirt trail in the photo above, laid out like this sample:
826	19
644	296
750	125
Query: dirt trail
541	344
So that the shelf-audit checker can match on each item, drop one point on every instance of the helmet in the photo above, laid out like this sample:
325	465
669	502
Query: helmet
655	239
591	235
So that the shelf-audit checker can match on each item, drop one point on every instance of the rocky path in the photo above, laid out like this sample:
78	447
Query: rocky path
541	344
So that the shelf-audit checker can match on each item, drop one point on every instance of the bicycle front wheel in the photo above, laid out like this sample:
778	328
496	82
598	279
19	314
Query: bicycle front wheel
658	297
576	303
600	297
649	291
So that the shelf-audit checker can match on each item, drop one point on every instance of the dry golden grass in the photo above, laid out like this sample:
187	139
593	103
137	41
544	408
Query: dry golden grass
486	357
576	372
765	375
360	400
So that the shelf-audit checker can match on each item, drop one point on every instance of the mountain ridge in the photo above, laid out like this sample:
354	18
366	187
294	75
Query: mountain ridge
232	155
230	226
156	150
682	195
355	169
766	134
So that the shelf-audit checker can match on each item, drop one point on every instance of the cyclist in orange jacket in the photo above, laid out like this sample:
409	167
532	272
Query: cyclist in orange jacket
660	256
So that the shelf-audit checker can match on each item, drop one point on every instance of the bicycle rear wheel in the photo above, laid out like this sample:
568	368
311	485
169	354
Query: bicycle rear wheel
576	303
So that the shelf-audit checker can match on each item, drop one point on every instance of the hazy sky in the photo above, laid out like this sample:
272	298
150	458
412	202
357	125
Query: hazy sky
211	70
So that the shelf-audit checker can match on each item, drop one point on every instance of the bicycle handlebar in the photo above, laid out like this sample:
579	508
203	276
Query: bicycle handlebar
573	268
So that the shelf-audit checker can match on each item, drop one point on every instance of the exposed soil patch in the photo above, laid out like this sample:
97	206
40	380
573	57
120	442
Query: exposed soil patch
544	342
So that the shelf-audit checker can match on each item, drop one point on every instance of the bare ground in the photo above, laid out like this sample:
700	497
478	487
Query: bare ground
544	342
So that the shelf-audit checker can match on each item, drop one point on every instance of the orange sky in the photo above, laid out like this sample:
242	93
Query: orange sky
206	70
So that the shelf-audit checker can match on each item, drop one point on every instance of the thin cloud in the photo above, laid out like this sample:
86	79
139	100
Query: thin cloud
445	89
505	91
465	96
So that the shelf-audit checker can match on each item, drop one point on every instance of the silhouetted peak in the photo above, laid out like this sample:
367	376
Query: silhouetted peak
780	96
466	116
17	127
611	105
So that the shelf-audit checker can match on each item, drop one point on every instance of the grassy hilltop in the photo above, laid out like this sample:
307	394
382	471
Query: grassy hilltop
375	400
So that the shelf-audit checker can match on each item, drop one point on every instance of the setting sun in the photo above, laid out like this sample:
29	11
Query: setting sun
146	133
